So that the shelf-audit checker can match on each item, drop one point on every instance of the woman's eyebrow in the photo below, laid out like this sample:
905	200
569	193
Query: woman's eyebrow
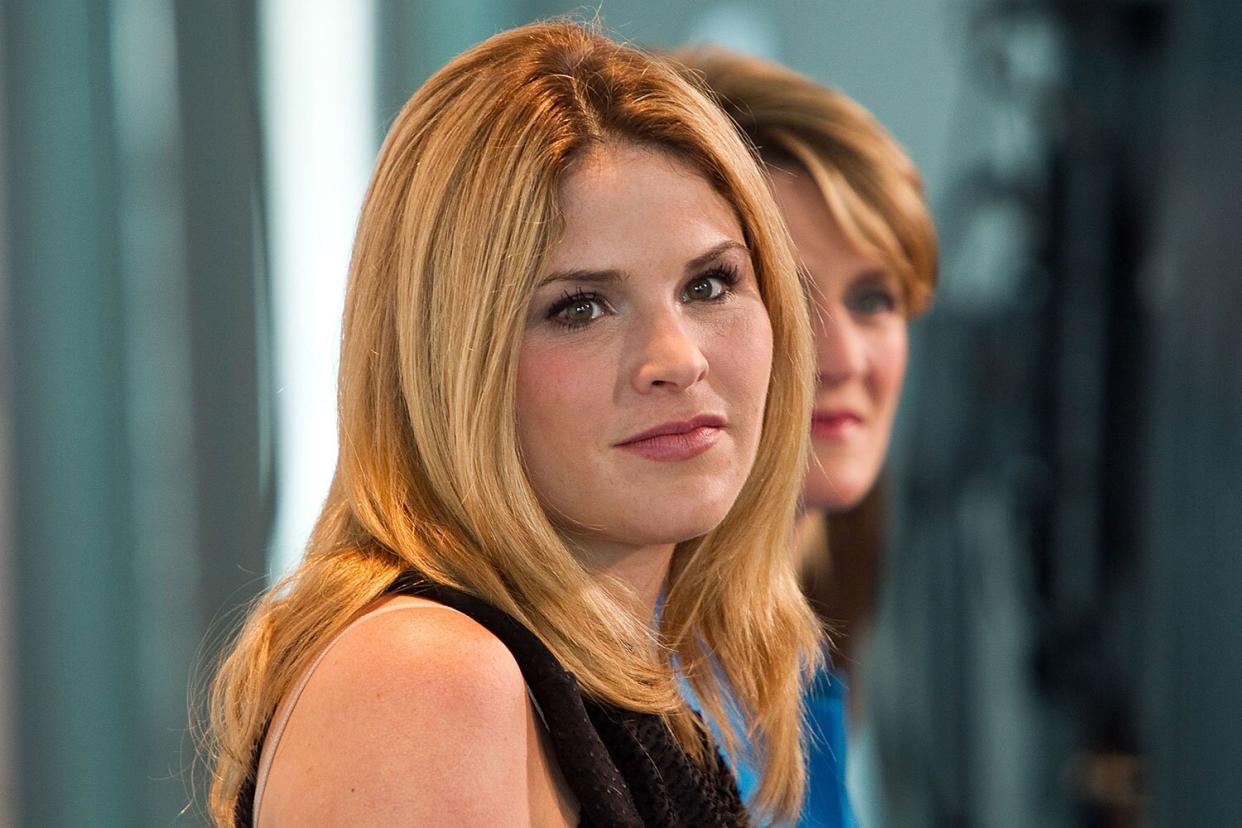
584	275
605	276
873	274
716	252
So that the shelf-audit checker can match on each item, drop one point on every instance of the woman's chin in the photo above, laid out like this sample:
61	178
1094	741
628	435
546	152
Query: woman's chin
835	493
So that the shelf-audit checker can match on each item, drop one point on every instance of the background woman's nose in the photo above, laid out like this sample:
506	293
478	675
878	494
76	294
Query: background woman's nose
838	347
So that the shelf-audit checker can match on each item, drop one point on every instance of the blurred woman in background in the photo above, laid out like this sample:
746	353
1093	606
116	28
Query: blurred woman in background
558	402
867	249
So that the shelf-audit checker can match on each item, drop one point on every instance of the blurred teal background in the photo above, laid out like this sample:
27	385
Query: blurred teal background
1059	634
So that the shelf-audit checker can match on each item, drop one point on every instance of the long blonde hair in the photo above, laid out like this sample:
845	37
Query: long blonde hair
875	193
869	183
460	212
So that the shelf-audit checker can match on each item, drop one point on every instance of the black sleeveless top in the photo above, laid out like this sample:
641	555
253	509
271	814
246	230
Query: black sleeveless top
625	768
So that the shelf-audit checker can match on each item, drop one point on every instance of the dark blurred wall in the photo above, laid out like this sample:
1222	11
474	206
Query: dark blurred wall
8	781
1062	591
1192	506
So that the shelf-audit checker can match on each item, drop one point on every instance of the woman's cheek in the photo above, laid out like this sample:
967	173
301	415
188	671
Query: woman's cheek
742	353
557	385
889	352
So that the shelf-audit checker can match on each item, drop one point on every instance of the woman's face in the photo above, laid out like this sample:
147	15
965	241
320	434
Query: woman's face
860	344
645	362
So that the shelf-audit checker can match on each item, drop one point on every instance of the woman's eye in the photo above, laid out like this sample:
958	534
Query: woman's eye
873	301
577	310
705	289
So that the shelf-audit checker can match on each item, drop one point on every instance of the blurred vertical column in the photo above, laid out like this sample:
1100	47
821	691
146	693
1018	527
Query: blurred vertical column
72	511
317	81
227	295
166	611
8	784
1192	441
135	342
1107	143
962	737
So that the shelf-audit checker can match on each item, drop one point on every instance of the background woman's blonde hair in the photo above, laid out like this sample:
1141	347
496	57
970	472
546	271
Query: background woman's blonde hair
875	194
460	212
871	186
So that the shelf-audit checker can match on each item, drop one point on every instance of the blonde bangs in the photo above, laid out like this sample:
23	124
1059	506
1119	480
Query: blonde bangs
868	226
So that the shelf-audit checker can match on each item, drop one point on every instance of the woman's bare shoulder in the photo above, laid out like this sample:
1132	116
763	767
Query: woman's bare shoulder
416	713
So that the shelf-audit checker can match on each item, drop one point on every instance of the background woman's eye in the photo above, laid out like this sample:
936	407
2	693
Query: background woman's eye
874	300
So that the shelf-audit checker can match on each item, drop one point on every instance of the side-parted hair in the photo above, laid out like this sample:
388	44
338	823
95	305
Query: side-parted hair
871	186
456	225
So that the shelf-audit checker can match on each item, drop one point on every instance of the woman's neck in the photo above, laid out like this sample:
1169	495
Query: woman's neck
642	570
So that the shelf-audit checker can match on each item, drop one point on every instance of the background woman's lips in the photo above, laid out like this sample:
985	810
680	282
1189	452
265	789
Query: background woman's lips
678	446
834	425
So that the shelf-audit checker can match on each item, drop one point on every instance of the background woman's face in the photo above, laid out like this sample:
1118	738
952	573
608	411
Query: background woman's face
860	345
645	363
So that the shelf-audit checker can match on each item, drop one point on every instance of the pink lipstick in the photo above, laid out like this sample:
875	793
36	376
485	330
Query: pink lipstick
673	441
834	425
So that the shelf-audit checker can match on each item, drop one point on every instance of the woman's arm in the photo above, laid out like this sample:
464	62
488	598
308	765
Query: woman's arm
415	717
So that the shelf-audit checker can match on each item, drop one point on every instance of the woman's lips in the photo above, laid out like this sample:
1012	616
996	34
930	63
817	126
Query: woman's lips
676	441
670	447
834	425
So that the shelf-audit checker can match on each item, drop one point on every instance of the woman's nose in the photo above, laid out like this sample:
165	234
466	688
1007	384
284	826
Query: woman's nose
669	355
838	346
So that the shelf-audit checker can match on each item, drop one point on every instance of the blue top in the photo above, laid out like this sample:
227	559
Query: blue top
827	804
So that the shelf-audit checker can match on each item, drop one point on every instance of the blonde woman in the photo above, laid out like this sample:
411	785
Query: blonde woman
867	248
575	374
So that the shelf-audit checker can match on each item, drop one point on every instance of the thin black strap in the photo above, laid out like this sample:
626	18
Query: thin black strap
588	768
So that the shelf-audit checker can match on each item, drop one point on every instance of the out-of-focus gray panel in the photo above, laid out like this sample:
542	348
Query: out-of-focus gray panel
1193	538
